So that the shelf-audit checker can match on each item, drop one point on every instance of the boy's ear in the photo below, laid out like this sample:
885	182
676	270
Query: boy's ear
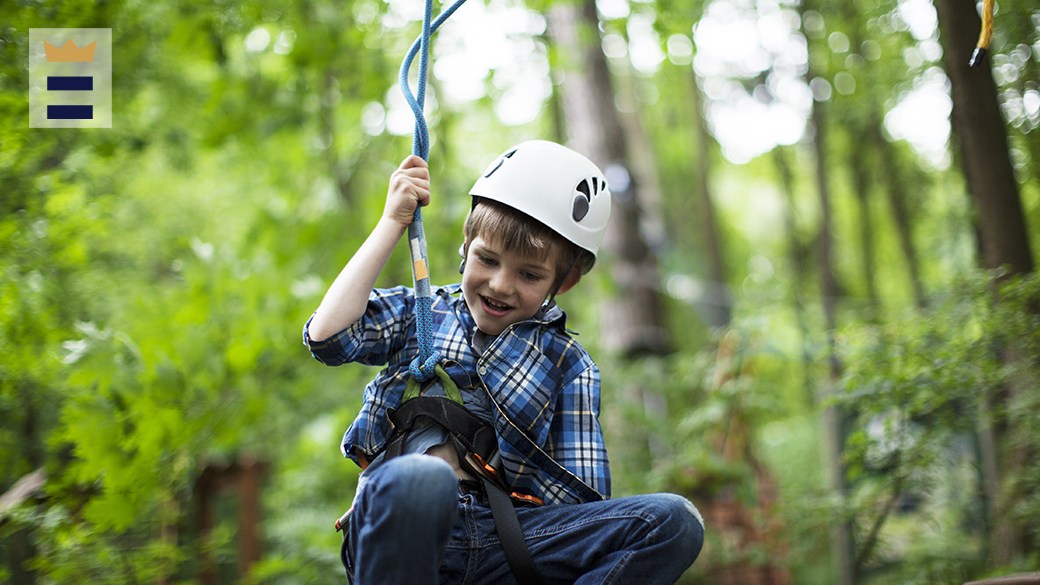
463	249
570	280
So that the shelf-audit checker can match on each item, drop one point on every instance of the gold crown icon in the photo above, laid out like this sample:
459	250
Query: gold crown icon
69	53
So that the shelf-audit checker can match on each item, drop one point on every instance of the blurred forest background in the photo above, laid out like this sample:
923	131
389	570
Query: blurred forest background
817	315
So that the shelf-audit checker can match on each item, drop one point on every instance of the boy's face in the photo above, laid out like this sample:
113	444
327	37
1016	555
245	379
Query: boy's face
501	287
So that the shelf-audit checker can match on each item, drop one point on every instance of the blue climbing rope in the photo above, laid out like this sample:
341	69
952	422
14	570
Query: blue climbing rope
422	367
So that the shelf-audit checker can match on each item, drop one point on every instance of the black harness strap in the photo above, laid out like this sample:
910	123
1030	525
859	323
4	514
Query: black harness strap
510	534
477	436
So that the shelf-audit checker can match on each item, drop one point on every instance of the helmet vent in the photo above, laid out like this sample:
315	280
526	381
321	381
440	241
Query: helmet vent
498	163
585	191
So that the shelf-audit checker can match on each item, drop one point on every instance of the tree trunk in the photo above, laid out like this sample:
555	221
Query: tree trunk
863	167
897	203
864	182
831	418
799	264
644	163
719	299
979	124
866	168
1003	240
635	317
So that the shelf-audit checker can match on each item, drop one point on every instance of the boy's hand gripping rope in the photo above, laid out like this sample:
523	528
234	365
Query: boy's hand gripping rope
422	367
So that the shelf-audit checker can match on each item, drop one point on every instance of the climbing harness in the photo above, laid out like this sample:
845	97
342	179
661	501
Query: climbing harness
475	444
985	35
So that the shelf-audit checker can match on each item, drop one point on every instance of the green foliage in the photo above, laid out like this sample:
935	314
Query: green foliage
791	447
918	387
691	423
72	551
681	455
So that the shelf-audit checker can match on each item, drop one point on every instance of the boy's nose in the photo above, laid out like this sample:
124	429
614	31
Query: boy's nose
500	283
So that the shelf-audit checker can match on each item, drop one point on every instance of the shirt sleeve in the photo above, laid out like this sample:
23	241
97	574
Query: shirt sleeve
380	332
576	439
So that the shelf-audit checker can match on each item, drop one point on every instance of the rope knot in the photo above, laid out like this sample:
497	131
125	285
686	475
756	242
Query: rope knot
423	371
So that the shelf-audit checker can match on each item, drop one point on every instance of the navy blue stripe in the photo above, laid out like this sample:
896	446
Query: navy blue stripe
70	112
58	83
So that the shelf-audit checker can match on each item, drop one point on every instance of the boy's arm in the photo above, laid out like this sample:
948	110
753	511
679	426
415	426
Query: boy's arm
345	301
576	435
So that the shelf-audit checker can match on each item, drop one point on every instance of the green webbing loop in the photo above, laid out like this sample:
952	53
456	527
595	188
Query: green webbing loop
451	390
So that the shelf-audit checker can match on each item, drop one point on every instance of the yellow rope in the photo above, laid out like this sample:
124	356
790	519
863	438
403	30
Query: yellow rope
985	34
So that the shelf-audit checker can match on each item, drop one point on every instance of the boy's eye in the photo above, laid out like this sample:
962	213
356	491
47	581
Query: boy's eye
487	260
531	276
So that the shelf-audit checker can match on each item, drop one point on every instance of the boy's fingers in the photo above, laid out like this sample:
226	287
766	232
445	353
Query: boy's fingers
415	175
419	172
413	161
404	179
411	180
407	183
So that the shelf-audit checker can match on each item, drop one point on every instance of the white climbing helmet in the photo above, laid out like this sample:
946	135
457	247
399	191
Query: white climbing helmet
554	185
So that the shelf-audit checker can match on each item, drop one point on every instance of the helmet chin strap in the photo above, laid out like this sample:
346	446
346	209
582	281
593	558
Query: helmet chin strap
560	280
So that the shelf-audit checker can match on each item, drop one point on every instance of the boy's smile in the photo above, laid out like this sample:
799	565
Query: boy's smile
502	288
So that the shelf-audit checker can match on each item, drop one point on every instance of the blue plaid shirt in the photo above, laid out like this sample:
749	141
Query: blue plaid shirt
544	386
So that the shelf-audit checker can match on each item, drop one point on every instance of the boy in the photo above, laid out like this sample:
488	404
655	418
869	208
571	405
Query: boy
537	220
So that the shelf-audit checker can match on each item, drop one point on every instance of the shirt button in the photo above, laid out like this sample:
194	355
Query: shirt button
482	370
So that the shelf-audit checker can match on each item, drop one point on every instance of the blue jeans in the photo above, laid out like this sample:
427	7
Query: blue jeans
411	524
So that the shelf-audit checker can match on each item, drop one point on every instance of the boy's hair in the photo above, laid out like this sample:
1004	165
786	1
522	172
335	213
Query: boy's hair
521	234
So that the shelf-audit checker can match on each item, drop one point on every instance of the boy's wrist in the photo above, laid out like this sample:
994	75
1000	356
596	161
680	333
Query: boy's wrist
391	225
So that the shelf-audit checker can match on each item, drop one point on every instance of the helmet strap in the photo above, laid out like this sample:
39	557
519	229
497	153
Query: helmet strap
562	279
